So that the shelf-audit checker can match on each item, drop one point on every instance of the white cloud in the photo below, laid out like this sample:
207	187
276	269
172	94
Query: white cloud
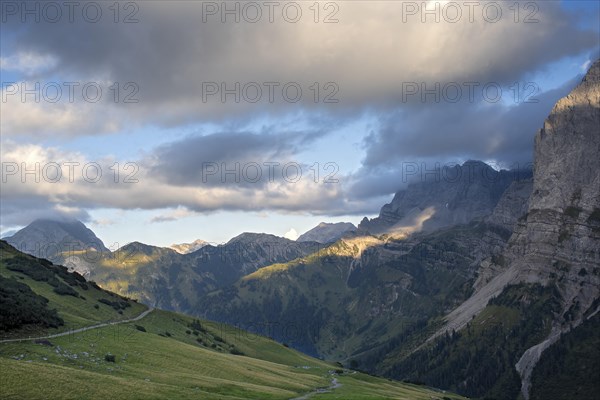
173	215
67	183
291	234
103	222
28	62
52	113
585	66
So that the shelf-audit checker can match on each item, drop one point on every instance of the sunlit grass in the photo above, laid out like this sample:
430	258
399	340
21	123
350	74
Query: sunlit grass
168	361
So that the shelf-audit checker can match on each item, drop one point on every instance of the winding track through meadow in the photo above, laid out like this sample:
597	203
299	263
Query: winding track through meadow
334	385
87	328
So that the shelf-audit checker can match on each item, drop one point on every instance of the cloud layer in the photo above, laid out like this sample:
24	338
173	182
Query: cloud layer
369	54
180	65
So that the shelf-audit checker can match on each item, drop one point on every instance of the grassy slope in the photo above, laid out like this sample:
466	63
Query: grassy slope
149	365
75	311
171	359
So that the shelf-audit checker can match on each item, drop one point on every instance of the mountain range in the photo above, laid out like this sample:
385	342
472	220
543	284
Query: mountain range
472	279
63	337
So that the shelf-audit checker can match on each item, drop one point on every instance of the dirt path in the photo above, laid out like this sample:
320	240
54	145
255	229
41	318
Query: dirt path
334	385
87	328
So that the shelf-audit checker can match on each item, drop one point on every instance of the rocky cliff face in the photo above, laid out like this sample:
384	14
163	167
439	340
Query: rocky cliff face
560	239
562	219
558	242
451	196
513	204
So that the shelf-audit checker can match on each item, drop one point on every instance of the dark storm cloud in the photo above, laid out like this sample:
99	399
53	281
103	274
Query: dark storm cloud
446	134
38	208
209	160
468	130
171	54
370	55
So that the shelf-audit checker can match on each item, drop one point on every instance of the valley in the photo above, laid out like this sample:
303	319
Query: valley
300	200
464	285
147	353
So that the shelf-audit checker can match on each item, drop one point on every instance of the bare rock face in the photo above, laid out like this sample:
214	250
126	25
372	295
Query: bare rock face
558	241
513	204
567	150
560	236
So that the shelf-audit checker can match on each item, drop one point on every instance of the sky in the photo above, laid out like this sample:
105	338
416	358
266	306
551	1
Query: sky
166	122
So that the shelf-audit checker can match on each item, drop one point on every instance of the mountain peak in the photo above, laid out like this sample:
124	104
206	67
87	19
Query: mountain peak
476	164
247	237
327	232
49	238
452	196
143	248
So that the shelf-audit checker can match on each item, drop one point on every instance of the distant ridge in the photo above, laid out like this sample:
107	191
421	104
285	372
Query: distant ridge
327	232
185	248
458	195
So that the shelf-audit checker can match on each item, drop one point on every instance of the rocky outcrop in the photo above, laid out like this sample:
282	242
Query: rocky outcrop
327	233
454	195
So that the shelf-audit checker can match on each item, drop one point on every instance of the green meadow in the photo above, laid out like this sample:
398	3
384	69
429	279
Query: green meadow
163	355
